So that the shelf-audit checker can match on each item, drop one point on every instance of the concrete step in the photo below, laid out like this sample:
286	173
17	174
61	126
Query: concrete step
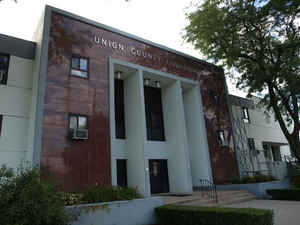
224	198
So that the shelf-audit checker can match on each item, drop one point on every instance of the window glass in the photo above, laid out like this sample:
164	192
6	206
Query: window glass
82	122
221	138
4	61
84	64
1	119
245	115
75	63
73	122
79	67
154	114
119	109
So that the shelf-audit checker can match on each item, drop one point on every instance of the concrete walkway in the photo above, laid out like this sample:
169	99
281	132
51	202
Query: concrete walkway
286	212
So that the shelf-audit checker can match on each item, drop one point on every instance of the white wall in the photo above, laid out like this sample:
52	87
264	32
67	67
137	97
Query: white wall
196	135
176	139
15	101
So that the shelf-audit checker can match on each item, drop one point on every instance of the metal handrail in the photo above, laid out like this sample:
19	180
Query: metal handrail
208	188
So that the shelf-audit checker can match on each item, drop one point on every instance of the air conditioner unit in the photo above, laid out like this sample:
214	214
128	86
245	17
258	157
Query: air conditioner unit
80	134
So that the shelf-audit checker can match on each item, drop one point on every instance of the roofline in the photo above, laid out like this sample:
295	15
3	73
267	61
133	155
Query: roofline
17	47
128	35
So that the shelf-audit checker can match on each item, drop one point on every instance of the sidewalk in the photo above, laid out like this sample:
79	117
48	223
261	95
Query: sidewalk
286	212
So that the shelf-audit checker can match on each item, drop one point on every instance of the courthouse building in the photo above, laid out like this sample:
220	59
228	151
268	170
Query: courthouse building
98	106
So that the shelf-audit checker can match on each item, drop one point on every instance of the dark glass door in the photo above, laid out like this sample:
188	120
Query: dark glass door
122	172
159	179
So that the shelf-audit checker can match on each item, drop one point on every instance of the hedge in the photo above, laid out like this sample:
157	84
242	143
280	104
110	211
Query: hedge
284	194
195	215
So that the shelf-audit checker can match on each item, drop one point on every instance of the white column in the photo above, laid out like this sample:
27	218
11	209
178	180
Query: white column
135	132
176	139
196	133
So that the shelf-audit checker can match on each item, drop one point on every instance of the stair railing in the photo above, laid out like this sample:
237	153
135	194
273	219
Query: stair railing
208	188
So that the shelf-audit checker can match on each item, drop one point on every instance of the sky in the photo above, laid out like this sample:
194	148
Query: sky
160	21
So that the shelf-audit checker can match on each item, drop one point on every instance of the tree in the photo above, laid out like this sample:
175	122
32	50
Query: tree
260	39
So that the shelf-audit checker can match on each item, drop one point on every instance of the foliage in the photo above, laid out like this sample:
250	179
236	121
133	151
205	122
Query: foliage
98	194
295	177
260	39
252	179
284	194
193	215
27	200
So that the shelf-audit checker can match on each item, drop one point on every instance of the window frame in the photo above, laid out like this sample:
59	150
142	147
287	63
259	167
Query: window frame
77	116
86	71
1	124
121	123
4	82
148	113
225	144
245	115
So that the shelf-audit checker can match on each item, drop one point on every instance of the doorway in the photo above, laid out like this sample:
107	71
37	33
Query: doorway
122	172
159	179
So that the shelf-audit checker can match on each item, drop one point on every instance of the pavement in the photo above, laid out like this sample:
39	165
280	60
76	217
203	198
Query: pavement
285	212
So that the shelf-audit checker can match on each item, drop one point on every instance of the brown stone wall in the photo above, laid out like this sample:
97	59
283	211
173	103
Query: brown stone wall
77	164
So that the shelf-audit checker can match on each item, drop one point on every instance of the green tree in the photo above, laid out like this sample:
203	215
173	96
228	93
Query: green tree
25	199
260	39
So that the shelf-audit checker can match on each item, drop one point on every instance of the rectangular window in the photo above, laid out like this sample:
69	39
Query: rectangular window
4	63
78	126
245	115
1	119
251	143
122	172
119	109
154	114
222	141
80	67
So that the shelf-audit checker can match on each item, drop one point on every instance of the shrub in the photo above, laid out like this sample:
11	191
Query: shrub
192	215
108	194
295	177
252	179
284	194
25	199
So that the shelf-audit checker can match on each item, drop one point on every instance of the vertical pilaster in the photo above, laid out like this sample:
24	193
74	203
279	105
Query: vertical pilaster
196	133
176	139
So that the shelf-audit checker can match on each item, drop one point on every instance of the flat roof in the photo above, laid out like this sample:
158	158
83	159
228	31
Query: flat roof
128	35
17	47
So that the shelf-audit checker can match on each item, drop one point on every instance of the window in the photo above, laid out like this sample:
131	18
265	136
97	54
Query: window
1	119
245	115
251	143
4	62
154	114
78	126
214	97
119	109
80	67
222	141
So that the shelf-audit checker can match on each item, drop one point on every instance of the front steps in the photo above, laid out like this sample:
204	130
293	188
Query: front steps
224	198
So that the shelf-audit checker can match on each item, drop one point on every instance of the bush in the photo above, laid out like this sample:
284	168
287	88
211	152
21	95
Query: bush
284	194
25	199
108	194
252	179
192	215
295	177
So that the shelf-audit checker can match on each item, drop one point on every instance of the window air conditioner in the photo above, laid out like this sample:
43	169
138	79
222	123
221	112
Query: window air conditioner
80	134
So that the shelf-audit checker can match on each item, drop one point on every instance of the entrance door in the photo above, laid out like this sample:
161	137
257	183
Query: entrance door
159	179
121	172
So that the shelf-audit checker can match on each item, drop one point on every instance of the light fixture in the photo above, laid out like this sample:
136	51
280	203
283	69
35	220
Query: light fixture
157	83
147	81
118	73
